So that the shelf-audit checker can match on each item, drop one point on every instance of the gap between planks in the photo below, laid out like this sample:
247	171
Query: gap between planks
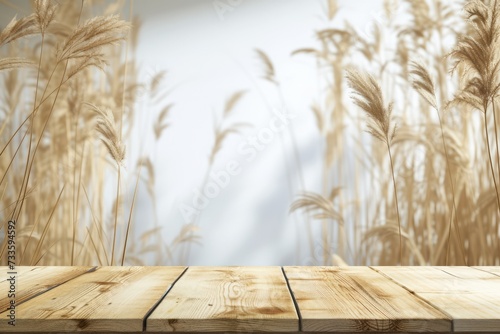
295	304
158	302
144	321
91	270
45	316
452	330
286	279
359	299
33	290
472	289
215	299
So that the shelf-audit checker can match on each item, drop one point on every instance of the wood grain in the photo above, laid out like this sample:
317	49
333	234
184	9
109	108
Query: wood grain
249	299
491	269
32	281
471	297
108	299
358	299
236	299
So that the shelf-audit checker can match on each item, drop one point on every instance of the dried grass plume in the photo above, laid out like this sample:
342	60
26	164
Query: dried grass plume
368	96
109	132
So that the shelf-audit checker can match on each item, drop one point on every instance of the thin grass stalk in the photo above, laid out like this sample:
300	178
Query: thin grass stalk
298	163
99	231
186	247
498	160
46	227
11	162
82	248
77	204
270	76
496	133
43	99
45	253
453	216
43	128
95	248
116	214
24	184
130	214
30	129
25	248
120	138
397	206
454	212
38	144
34	102
324	222
74	202
490	159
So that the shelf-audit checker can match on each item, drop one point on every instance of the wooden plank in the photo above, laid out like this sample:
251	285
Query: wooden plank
470	296
358	299
31	281
464	272
3	270
109	299
236	299
491	269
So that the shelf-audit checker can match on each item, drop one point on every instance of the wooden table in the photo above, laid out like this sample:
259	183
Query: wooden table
252	299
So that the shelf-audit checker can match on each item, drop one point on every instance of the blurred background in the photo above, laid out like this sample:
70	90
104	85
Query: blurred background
209	53
242	146
207	49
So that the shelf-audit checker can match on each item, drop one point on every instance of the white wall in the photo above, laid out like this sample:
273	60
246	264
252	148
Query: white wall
209	58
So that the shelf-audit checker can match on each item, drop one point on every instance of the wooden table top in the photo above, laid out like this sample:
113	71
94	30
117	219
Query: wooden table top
251	299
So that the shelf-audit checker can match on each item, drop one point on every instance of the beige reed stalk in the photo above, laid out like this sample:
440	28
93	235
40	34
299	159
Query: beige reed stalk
423	84
367	95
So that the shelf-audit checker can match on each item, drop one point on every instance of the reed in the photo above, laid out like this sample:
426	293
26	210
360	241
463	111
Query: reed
446	206
425	193
58	154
